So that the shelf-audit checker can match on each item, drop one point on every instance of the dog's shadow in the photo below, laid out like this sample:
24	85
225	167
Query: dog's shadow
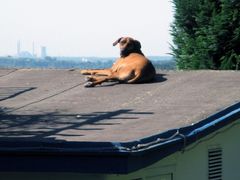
159	78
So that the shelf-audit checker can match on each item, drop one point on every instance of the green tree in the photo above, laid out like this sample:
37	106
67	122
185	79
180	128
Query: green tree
206	34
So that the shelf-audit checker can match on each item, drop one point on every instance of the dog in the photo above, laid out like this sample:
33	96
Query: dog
131	67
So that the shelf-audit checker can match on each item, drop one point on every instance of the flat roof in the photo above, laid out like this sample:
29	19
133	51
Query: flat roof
52	108
53	105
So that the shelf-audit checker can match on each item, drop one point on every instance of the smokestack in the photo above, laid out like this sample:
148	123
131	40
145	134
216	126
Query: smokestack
33	49
18	48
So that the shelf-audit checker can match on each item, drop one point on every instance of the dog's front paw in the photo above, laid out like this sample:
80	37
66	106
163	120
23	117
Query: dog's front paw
88	78
85	72
89	84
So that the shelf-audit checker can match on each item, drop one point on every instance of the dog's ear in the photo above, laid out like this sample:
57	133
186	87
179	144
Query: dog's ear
137	44
117	41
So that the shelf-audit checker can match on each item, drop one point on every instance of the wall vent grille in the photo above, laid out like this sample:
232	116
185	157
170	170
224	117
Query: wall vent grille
215	164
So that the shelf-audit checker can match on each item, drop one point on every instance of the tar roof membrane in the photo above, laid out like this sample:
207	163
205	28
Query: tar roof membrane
53	105
50	123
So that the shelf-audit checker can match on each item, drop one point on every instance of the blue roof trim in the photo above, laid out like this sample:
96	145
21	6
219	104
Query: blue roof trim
203	127
107	157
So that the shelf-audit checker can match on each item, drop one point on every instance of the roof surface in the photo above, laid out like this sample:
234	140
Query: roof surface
50	123
53	105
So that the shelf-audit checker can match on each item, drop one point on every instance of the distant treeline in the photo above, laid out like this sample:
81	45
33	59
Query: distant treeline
76	62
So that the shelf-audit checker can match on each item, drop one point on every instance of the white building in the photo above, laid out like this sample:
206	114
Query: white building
43	52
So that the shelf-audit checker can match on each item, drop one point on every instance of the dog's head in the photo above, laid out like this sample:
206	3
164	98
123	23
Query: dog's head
128	45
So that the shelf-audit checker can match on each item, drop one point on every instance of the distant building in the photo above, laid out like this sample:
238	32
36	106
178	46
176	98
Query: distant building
43	52
33	50
23	54
18	48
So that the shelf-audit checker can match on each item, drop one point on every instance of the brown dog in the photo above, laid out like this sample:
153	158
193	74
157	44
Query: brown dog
131	67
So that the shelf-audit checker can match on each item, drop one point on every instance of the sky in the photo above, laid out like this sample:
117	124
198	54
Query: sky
84	27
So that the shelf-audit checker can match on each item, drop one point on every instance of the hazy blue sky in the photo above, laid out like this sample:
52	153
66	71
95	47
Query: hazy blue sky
84	27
